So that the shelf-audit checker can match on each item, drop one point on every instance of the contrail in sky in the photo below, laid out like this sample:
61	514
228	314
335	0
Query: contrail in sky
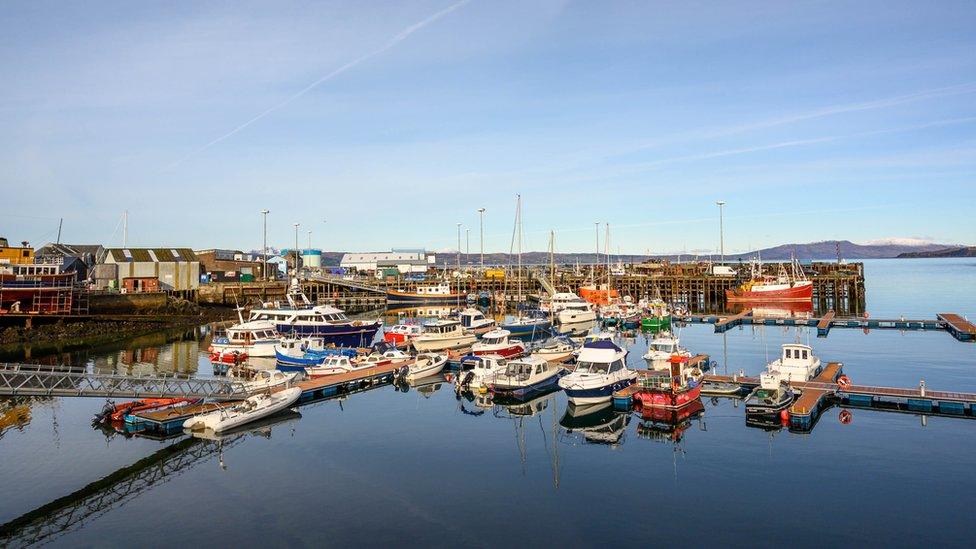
400	37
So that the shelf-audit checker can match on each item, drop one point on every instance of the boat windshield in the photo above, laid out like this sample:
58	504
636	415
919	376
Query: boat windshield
593	367
493	340
663	347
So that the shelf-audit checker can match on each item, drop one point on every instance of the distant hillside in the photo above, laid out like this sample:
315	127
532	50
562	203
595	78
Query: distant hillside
963	251
826	250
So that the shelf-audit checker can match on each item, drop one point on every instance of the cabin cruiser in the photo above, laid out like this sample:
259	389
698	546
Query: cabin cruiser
473	320
569	308
479	371
301	318
527	326
497	342
601	369
797	363
296	354
555	350
661	349
254	338
525	377
441	335
381	358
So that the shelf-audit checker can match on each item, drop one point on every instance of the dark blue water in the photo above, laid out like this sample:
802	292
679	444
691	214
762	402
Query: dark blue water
424	468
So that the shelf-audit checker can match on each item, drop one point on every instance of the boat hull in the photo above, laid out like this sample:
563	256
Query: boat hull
667	399
801	291
527	391
393	296
442	344
504	352
346	335
597	394
527	329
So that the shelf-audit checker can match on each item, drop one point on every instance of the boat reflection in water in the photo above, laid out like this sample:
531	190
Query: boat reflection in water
425	386
664	425
593	424
798	310
507	407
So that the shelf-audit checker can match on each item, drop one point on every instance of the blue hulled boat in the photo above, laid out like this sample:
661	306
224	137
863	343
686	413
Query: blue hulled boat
299	318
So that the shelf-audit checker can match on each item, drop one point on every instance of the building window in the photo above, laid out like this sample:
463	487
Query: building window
127	254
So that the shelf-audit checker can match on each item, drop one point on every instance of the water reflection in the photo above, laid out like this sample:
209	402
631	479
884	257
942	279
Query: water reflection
593	424
179	357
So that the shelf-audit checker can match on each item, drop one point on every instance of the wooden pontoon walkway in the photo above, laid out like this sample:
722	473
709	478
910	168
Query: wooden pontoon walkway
957	326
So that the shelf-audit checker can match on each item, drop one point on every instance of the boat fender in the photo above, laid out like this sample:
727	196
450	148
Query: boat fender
844	382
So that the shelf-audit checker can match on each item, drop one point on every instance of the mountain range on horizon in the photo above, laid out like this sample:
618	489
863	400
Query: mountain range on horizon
819	251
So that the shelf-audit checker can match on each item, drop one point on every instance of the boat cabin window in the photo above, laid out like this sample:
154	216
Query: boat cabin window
538	368
616	366
789	353
804	354
592	367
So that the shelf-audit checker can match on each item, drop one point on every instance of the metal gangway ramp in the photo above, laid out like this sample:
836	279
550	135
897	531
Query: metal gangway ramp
545	283
350	284
34	380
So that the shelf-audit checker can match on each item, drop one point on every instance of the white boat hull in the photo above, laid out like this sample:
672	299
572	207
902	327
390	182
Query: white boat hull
423	344
235	416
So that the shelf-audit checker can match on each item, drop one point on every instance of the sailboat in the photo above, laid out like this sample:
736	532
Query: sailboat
523	325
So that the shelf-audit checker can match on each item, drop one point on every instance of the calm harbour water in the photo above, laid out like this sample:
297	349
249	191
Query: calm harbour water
424	468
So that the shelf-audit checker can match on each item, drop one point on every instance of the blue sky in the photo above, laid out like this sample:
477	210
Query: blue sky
382	124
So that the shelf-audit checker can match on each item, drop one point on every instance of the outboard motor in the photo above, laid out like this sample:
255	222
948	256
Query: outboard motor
102	417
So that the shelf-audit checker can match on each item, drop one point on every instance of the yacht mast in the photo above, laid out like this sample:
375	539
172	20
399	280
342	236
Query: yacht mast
518	224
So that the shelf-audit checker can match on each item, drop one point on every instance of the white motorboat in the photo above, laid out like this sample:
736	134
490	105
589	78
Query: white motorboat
251	409
336	364
569	308
525	377
601	369
481	370
266	380
797	363
441	335
555	350
498	342
661	349
256	338
473	320
426	364
402	333
381	359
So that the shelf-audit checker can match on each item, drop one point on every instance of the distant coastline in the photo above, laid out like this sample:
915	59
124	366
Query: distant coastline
957	251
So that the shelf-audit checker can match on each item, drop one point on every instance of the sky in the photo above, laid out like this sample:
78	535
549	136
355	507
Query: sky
384	124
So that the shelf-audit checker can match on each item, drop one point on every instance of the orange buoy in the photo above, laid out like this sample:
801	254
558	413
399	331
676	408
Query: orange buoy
784	415
845	417
844	382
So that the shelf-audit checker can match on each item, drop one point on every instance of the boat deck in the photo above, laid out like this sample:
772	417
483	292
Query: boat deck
961	328
811	398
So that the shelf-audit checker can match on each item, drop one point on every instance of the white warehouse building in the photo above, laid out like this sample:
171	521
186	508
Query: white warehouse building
405	261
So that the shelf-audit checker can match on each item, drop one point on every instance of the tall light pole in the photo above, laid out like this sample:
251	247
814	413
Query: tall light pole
459	249
297	225
264	251
309	239
721	229
481	222
467	246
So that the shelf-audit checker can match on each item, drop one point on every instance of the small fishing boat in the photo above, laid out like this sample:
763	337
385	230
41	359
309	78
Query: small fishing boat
251	409
497	342
330	365
401	334
672	389
525	377
600	370
771	397
426	364
791	285
477	371
661	349
266	380
296	354
442	335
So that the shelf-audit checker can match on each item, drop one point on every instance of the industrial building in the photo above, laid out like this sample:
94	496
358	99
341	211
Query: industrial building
405	261
230	265
77	258
176	269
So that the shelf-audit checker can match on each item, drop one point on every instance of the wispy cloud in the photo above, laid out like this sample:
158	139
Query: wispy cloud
399	37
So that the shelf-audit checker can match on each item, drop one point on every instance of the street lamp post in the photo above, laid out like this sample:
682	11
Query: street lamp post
467	246
264	250
459	249
721	229
297	225
481	222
